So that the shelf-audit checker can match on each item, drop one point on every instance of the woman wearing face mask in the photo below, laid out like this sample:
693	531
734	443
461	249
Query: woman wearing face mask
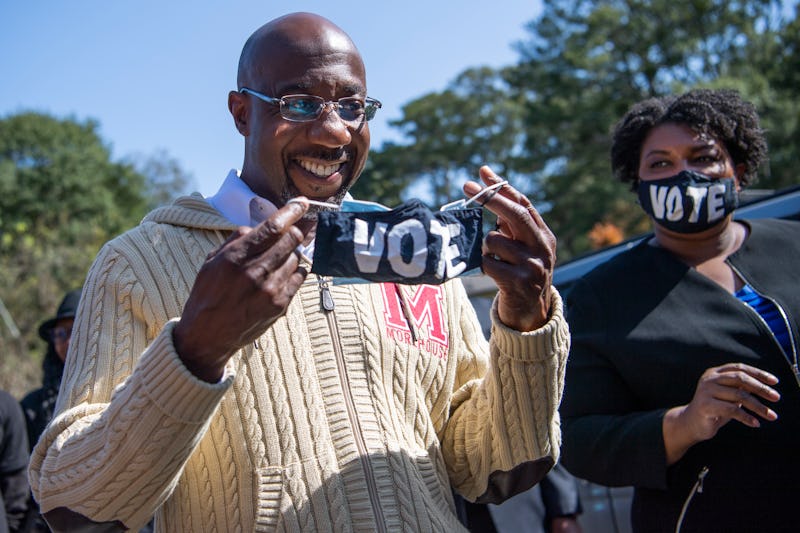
683	375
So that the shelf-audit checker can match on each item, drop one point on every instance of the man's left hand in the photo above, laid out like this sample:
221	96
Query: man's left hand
519	255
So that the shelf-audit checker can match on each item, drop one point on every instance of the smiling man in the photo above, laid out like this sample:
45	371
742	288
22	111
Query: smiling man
212	381
304	121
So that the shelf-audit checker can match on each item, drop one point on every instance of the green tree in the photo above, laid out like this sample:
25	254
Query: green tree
448	135
545	123
586	62
165	179
385	176
770	76
61	198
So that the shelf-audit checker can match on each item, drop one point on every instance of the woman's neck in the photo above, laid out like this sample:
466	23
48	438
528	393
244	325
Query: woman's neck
697	248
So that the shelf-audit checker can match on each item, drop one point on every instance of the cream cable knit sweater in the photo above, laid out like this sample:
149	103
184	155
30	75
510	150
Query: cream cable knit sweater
331	421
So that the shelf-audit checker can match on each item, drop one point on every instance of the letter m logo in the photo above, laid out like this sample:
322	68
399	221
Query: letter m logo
424	306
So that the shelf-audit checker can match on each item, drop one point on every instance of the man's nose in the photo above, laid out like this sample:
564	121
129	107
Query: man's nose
329	129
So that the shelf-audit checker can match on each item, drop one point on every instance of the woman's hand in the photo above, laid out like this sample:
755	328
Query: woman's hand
729	392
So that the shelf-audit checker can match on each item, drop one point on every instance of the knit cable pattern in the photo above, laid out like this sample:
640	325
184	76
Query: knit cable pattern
274	444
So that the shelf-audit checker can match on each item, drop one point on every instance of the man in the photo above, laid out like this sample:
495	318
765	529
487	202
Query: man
212	381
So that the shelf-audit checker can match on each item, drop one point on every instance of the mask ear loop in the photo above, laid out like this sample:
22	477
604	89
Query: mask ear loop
492	189
299	250
314	202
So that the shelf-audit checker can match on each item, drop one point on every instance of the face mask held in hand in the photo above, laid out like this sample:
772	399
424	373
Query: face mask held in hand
688	202
409	244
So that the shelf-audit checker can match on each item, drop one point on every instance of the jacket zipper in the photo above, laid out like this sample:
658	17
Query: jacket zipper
793	361
328	305
697	488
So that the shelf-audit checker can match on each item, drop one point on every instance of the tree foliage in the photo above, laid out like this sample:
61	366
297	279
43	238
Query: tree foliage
61	198
546	121
770	77
386	175
165	179
450	134
583	66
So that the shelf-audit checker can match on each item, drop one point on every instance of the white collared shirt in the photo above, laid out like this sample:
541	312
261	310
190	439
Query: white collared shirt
233	200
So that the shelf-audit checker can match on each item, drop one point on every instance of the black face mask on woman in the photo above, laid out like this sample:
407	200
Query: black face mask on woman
688	202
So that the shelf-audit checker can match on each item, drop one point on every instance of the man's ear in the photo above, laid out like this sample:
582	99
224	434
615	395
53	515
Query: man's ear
238	105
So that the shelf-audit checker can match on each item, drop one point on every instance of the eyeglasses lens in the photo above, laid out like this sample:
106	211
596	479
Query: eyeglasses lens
371	109
302	108
61	334
351	109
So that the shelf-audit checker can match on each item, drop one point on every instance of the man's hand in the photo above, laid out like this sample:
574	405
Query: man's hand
242	288
519	255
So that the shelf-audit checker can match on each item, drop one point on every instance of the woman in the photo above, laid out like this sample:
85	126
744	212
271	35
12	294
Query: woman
682	379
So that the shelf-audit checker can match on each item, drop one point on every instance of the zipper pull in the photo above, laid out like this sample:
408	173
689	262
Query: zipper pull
700	478
326	298
696	489
796	373
406	313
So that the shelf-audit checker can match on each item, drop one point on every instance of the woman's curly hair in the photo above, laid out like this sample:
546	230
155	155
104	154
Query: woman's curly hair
721	114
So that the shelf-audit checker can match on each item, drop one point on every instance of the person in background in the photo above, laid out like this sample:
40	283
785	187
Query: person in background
551	506
212	381
14	489
38	404
682	379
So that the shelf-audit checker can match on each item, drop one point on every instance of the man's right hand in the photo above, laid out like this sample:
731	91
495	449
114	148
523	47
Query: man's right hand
242	288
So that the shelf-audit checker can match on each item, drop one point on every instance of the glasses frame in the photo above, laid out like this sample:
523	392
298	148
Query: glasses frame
371	105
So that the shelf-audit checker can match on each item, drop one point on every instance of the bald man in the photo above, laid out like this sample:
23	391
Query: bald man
214	382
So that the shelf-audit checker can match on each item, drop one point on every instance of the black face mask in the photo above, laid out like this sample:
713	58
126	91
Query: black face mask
688	202
409	244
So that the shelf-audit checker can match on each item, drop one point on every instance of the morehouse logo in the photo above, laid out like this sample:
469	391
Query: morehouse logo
424	308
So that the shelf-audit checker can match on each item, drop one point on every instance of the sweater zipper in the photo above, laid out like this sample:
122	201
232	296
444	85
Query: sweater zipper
328	305
793	361
697	488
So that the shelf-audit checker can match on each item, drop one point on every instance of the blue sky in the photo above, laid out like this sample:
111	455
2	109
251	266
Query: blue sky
155	74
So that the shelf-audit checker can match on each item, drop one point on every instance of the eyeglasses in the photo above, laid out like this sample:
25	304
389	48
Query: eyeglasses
306	107
61	333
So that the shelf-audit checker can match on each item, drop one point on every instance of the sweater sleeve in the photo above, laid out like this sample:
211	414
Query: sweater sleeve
609	438
129	413
503	434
